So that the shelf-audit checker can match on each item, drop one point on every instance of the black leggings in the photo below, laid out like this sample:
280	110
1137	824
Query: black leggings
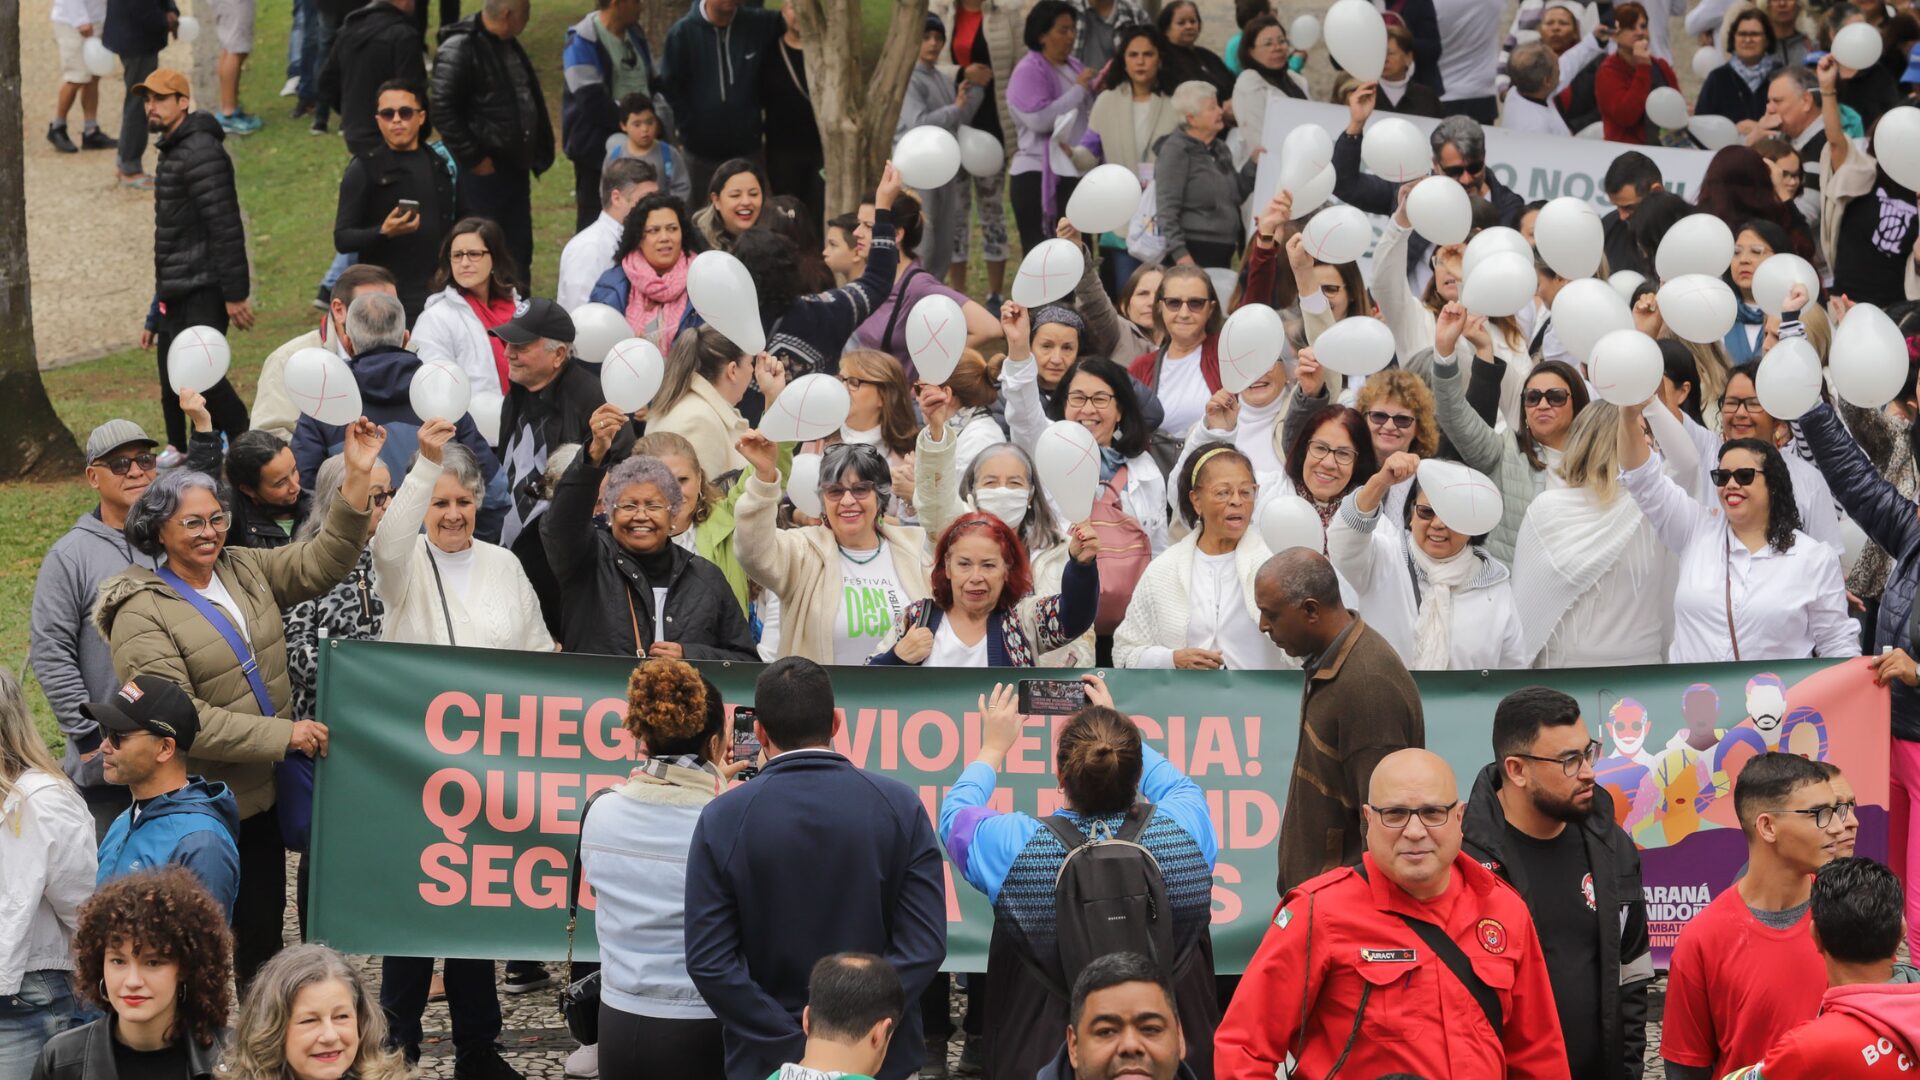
1025	191
633	1045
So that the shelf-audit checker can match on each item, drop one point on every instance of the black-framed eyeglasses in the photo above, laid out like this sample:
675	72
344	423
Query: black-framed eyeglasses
1317	450
1398	817
1741	404
1743	477
837	492
121	466
1080	400
1555	398
1569	762
1823	815
1465	168
116	738
1191	303
1423	512
380	497
404	112
1380	418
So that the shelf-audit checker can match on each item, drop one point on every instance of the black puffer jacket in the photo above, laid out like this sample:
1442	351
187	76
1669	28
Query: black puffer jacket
608	598
376	43
136	27
478	108
199	241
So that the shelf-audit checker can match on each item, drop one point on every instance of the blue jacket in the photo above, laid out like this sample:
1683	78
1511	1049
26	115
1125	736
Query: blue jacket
588	113
614	288
197	827
811	857
1887	517
385	377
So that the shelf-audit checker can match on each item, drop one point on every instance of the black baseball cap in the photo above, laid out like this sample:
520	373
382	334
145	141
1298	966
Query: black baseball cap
148	703
536	319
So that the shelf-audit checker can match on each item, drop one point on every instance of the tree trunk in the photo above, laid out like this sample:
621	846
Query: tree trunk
34	444
656	18
855	103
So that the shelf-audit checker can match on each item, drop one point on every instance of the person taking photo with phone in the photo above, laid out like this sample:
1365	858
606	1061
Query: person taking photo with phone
397	199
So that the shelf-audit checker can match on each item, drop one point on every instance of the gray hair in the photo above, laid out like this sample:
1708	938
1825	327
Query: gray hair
1039	531
326	491
641	469
1805	79
1466	135
500	9
1192	96
623	175
1534	69
868	465
159	503
376	320
459	462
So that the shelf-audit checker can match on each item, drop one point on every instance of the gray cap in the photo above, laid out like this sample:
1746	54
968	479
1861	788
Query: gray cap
113	435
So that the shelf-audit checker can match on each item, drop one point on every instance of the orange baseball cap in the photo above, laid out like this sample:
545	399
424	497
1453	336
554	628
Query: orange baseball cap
165	81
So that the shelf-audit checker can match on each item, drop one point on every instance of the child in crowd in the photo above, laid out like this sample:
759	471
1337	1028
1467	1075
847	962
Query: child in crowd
640	138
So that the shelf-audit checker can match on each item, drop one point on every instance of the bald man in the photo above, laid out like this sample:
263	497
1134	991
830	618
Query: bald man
1419	960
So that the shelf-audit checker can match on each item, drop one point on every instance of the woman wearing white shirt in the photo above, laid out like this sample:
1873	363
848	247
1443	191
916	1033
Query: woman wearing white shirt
1752	586
1194	605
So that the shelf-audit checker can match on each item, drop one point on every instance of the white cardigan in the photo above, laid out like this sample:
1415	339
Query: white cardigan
500	610
1414	326
1157	615
447	329
47	850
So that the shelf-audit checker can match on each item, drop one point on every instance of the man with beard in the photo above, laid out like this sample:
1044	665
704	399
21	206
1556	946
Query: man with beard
1539	820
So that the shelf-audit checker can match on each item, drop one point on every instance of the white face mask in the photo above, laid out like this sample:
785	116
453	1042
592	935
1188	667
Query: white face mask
1007	504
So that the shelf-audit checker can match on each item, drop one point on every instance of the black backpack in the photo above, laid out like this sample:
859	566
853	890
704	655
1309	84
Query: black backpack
1108	897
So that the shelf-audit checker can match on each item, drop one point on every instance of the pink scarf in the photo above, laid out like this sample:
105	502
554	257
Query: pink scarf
654	297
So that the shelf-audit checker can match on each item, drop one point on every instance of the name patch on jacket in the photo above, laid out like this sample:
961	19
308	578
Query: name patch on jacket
1388	956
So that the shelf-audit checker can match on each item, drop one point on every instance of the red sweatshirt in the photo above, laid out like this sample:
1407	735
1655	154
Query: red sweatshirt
1620	89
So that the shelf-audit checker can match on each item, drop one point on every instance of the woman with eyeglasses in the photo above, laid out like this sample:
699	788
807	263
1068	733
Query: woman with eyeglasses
1434	592
475	293
370	220
735	196
1737	89
1743	417
704	524
1250	422
1330	457
1185	371
842	583
1628	75
1397	405
1783	162
699	398
648	279
1266	71
1753	331
880	415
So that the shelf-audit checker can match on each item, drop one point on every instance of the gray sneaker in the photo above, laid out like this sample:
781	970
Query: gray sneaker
935	1067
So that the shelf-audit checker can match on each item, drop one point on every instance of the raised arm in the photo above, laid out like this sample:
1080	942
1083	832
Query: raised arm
1020	381
766	551
1885	515
1676	517
1479	446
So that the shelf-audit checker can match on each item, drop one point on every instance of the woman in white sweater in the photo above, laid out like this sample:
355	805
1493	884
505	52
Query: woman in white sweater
699	397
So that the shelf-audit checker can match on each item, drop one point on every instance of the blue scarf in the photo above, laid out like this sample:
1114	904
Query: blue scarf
1754	75
1739	349
1110	462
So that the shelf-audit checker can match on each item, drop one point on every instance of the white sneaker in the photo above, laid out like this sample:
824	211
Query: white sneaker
290	87
584	1062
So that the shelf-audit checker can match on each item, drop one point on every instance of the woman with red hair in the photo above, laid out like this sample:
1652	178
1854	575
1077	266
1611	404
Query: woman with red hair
980	613
1738	188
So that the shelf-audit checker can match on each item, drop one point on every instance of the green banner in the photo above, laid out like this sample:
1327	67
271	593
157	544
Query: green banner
447	810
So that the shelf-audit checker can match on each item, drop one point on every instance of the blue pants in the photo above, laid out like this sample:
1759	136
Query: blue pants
43	1007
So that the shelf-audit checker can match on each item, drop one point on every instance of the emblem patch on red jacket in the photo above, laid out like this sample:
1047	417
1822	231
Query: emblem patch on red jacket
1493	936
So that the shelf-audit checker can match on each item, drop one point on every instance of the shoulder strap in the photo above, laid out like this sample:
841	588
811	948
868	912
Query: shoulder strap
1068	833
1139	815
242	652
1448	951
573	874
899	301
441	588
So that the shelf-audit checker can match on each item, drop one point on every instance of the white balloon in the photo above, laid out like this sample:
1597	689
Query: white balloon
1357	345
1698	307
1569	236
597	328
485	410
1857	46
1775	277
1357	37
927	157
198	359
1303	153
1396	150
1104	200
1586	310
1896	139
1490	241
1626	367
1289	521
1338	234
1068	462
936	336
320	385
1462	498
1308	196
1853	541
1626	283
981	154
1788	382
96	57
1440	210
1249	346
1666	107
189	29
1868	357
811	407
1049	272
1706	58
1696	244
440	392
1503	284
1713	131
631	375
722	292
1305	31
803	484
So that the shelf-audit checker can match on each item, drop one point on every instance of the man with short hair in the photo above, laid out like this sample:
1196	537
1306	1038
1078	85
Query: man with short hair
710	73
1121	1021
1870	1015
1419	960
175	819
1538	820
396	202
811	857
1630	178
1528	106
1745	968
273	410
854	1005
1793	111
65	649
1358	706
589	254
375	45
605	58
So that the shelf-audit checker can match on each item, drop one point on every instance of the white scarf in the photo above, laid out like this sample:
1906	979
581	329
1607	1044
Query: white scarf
1567	541
1433	626
1395	89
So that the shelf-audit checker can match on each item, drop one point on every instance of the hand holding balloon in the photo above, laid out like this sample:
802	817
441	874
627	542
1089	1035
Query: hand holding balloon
1447	328
434	435
1083	543
770	372
602	426
1307	374
1014	325
1223	411
762	454
194	404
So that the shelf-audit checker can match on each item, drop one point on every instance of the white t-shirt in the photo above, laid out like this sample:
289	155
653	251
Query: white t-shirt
1142	129
871	600
950	651
1217	613
1469	46
1183	393
217	592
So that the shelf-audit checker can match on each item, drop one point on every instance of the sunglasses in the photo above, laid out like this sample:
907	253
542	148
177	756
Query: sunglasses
404	112
1191	303
121	466
1743	477
380	497
116	738
1379	418
1465	168
1555	398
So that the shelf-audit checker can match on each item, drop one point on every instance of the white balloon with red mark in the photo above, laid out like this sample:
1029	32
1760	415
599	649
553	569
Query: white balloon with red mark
1857	46
1896	141
1104	200
1440	210
1396	150
1667	107
596	329
1338	234
1289	521
1696	244
1304	34
1357	346
440	392
1868	357
927	157
198	359
1585	311
722	291
1706	58
1698	307
803	484
1310	194
1249	346
1357	37
631	374
1570	237
811	407
981	154
1490	241
321	386
1775	277
188	30
1049	272
1626	283
1625	367
1788	382
936	336
1462	498
1067	459
1503	284
1713	132
485	410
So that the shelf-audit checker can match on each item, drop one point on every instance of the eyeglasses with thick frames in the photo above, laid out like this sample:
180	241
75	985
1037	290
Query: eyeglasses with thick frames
1743	477
121	466
1380	418
1317	450
1571	762
1555	398
1741	404
838	492
1398	817
194	525
116	738
380	497
1079	400
1191	303
1823	815
404	112
469	256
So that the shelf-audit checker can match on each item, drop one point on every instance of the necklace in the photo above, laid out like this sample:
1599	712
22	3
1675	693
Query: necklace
855	560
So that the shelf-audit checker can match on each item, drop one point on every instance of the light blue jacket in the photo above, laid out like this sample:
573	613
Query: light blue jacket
197	827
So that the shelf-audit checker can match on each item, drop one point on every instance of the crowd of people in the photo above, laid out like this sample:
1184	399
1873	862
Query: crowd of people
175	628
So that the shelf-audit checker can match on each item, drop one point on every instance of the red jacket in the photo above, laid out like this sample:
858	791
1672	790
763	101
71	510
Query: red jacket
1146	366
1620	89
1864	1030
1337	935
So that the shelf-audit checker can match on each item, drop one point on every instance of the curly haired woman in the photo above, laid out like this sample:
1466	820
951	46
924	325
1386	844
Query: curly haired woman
308	1016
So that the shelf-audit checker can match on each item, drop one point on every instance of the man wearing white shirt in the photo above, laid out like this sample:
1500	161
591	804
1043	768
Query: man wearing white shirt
1535	75
589	254
1469	57
74	21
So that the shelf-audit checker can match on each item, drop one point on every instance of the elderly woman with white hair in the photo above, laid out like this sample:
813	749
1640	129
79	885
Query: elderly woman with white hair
1199	190
632	591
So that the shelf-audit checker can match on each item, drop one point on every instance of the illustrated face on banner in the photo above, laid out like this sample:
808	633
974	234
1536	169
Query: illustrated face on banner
1766	704
1700	708
1627	723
